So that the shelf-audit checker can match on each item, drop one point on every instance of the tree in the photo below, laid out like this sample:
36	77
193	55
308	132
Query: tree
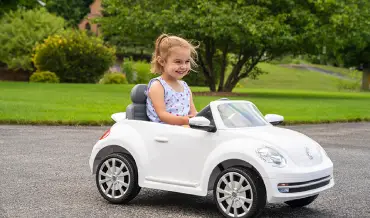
240	33
354	50
20	31
73	11
13	5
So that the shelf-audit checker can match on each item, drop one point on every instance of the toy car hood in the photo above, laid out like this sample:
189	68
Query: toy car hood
302	150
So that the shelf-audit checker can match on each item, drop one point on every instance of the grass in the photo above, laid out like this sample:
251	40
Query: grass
90	104
342	71
279	77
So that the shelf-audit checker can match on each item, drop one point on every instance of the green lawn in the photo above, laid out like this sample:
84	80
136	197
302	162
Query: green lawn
342	71
93	104
279	77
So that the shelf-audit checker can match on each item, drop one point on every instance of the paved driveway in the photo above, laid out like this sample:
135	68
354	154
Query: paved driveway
44	172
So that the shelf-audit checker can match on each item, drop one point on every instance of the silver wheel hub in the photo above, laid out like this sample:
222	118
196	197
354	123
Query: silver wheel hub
234	194
114	178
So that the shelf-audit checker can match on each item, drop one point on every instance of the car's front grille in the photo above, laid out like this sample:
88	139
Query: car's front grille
303	186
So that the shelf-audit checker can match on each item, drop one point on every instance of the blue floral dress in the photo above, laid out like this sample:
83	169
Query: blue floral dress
177	103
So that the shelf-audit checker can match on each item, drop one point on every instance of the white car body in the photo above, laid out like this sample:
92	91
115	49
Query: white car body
187	160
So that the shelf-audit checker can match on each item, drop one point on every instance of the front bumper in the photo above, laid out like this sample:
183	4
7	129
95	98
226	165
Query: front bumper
291	184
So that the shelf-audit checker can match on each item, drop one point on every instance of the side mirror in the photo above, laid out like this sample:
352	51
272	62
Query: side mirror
201	123
274	119
118	116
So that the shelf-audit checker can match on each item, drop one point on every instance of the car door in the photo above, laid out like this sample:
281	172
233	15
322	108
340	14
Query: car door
177	154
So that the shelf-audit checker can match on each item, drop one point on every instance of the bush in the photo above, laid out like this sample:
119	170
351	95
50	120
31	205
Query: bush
143	74
113	78
74	56
137	72
20	31
44	77
128	70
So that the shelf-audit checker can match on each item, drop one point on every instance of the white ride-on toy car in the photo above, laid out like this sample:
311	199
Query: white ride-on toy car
230	148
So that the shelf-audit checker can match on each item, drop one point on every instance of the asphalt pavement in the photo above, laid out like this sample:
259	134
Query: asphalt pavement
44	172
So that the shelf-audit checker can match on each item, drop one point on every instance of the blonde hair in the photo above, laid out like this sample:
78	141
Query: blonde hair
163	46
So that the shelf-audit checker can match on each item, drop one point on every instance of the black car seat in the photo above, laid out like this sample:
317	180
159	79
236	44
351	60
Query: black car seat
137	110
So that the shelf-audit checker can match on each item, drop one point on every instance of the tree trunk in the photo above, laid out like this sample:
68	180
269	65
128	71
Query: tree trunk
366	79
207	74
234	74
223	68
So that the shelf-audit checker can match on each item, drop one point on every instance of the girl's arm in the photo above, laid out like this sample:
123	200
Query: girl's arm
156	94
193	110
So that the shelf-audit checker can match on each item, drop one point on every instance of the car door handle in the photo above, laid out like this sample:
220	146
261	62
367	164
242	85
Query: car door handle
161	139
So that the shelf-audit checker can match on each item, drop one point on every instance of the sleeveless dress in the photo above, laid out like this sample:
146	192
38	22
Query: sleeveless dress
177	103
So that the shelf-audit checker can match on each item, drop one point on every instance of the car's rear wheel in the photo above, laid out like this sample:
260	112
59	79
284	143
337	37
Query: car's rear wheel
117	178
302	202
239	192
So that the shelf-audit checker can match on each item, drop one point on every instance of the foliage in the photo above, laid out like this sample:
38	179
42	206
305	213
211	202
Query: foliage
254	31
74	56
71	10
128	70
13	5
142	70
113	78
351	85
44	77
137	71
195	79
21	30
353	50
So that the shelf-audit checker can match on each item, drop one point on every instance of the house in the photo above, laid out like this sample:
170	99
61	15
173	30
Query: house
95	11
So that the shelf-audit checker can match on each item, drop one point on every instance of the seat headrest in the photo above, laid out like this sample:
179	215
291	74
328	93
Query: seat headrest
138	94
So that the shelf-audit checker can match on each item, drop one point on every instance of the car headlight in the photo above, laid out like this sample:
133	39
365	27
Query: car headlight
323	151
272	156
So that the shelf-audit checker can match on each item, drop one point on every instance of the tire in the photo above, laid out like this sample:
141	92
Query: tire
119	187
248	200
301	202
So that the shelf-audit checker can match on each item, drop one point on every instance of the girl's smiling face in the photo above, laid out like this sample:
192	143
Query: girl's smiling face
177	64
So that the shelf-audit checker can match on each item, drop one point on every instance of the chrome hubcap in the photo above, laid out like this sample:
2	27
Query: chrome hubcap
114	178
234	194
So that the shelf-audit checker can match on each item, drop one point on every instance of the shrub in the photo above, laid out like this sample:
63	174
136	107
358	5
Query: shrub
74	56
44	77
137	72
128	70
19	32
113	78
143	74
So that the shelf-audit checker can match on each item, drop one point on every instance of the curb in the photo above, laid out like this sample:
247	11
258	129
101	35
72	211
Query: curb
109	123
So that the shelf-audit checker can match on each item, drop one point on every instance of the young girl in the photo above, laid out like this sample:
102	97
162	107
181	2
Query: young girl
169	99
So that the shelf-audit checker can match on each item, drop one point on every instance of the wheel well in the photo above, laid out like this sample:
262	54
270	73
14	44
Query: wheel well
227	164
110	150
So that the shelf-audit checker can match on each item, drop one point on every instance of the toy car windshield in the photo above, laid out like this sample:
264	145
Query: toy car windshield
241	114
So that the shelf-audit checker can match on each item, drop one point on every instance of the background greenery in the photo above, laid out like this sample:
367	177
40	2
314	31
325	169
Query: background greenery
302	59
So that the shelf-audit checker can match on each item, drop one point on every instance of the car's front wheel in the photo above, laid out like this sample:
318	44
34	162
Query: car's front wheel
239	192
117	178
302	202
